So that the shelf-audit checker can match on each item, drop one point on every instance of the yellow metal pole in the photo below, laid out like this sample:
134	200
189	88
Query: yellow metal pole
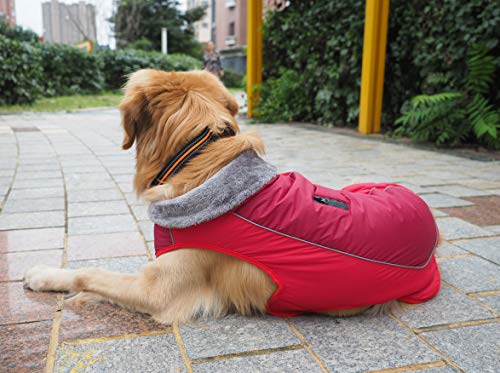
372	75
254	52
382	44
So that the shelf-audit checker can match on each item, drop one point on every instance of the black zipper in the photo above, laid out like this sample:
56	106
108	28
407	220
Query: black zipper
331	202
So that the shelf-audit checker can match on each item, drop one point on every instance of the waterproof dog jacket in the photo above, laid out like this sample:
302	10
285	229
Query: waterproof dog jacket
325	249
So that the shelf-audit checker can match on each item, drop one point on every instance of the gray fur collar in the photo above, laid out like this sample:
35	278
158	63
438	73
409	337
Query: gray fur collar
228	188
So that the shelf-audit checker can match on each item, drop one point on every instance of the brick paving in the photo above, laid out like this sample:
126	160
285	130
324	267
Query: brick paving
66	199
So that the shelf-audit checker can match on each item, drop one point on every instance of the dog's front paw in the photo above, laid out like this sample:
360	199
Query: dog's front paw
42	278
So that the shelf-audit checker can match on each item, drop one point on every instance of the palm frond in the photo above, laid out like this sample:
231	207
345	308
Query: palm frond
452	117
438	79
434	100
432	117
481	68
483	117
425	108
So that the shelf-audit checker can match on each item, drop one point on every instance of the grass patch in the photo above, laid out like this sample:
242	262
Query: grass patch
234	90
66	103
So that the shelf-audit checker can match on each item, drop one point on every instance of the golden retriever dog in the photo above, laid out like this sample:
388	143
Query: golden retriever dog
161	113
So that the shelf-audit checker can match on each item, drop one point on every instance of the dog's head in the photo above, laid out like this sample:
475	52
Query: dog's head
163	111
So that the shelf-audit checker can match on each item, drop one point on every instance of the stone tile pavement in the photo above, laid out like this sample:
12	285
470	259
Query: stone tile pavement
66	199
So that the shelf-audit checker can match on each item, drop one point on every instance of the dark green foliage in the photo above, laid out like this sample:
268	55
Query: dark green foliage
68	70
232	79
143	19
116	65
282	98
183	62
481	69
433	118
17	32
452	118
142	44
322	40
20	72
28	70
484	120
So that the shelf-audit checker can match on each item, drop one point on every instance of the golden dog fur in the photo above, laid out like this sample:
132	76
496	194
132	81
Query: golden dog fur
161	112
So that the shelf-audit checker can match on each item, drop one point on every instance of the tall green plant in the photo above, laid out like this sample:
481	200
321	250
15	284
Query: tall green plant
454	117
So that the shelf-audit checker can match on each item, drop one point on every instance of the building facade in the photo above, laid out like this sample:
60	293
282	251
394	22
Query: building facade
231	33
203	28
68	23
225	24
8	10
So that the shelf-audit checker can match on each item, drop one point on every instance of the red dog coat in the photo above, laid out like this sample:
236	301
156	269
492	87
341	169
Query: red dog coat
325	249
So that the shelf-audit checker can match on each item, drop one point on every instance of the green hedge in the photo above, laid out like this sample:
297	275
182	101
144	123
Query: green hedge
31	69
16	32
68	70
321	42
283	98
20	72
116	65
232	79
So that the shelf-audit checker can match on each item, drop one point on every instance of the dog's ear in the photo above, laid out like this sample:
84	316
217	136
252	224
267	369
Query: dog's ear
231	103
134	108
135	118
214	88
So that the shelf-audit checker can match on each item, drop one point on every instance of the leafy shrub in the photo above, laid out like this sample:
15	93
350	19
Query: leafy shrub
454	117
427	47
232	79
20	72
68	70
322	42
29	68
116	65
433	118
183	62
16	32
282	98
142	44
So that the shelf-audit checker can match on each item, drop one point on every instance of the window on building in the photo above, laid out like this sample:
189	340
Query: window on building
231	28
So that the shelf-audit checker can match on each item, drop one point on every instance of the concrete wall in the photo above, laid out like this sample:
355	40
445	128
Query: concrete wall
203	28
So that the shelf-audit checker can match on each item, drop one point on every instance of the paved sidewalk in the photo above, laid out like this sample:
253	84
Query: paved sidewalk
66	200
